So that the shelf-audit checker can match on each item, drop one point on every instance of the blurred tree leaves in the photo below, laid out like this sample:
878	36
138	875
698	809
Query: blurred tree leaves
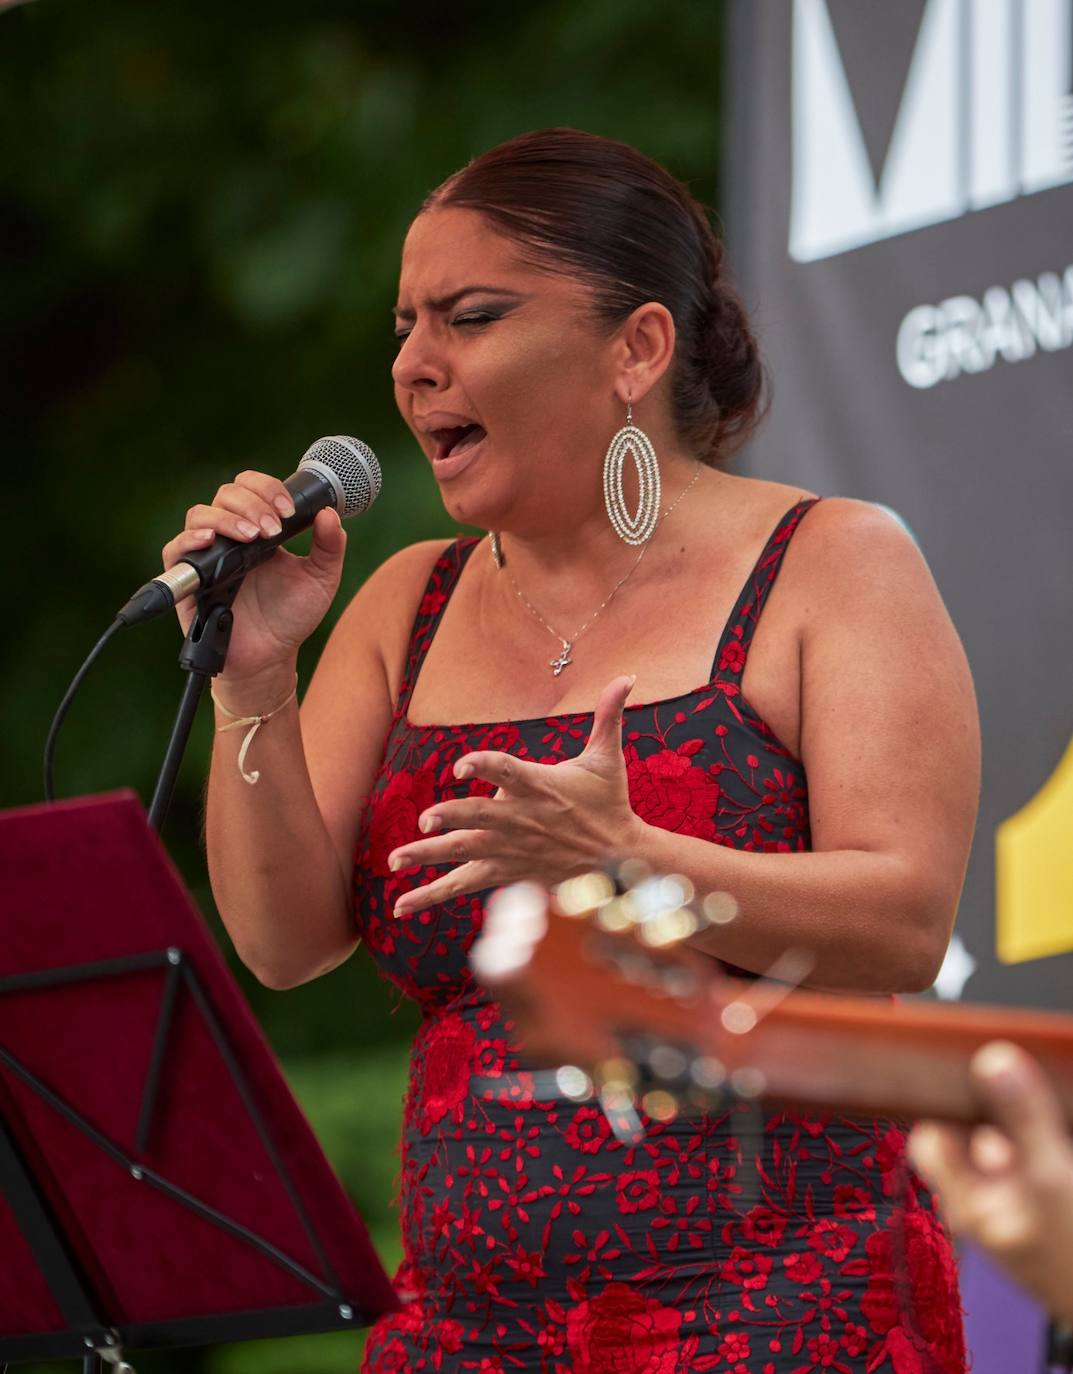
201	210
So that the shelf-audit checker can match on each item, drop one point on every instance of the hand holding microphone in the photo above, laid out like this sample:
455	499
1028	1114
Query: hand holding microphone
283	597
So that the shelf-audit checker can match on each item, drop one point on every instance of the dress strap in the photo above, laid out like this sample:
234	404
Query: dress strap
441	583
733	647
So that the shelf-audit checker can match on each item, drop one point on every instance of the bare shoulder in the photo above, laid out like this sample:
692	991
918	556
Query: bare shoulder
842	518
862	550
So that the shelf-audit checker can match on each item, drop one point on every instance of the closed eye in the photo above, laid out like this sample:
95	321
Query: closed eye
472	318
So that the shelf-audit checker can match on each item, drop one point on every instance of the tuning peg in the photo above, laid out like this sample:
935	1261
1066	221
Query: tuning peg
616	1075
669	927
630	873
660	1105
516	920
616	916
586	893
574	1083
719	908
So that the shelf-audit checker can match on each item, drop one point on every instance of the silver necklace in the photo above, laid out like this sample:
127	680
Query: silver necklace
564	660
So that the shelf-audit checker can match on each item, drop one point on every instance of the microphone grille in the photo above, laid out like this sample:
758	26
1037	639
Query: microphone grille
351	468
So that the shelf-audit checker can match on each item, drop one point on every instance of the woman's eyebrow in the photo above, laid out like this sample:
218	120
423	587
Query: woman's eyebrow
445	303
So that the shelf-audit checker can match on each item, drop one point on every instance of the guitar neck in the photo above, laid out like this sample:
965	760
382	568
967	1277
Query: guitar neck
590	997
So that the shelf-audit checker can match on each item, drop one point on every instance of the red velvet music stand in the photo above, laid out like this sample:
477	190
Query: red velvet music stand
158	1184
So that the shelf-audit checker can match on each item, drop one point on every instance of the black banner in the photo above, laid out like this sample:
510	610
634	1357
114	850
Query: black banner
900	215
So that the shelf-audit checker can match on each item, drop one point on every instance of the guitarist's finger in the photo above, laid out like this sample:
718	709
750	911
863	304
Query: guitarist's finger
942	1155
1020	1100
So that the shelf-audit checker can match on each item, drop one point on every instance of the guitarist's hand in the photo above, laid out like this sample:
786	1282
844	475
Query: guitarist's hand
543	824
1009	1187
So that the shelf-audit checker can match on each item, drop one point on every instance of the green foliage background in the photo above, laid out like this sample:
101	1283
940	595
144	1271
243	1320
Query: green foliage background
201	208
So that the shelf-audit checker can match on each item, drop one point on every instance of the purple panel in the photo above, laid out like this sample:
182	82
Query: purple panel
1004	1328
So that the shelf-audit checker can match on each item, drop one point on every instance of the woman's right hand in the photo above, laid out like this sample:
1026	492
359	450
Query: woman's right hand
282	600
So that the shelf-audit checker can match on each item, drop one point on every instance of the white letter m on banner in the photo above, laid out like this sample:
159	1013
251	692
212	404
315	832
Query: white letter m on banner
986	115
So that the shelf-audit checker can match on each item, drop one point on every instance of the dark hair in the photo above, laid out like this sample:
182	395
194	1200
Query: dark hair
626	227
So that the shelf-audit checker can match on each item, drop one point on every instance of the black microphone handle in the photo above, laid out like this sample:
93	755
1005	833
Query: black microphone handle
225	560
228	560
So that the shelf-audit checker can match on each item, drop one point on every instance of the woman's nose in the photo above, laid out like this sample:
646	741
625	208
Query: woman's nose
417	364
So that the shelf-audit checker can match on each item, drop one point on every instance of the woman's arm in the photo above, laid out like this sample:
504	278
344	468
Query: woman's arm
890	747
279	851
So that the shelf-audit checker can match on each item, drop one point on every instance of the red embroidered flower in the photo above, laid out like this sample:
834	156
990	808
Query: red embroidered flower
853	1202
804	1268
890	1160
490	1058
763	1226
588	1130
746	1269
668	791
526	1266
732	657
505	738
449	1335
621	1332
394	816
443	1070
638	1191
432	602
831	1238
734	1347
823	1350
855	1339
924	1255
394	1358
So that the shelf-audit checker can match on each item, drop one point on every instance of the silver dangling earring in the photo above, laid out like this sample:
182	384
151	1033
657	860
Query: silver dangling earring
635	529
497	548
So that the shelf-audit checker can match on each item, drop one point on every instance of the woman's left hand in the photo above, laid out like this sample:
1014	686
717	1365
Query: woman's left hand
544	823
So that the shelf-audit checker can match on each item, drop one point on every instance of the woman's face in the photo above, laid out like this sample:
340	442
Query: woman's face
506	382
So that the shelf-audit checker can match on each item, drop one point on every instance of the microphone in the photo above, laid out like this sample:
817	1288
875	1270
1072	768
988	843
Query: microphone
337	471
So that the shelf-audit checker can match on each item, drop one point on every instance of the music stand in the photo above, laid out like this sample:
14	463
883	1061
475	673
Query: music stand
159	1185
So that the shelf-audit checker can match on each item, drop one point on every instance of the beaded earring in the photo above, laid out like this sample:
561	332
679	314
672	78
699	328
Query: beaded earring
636	528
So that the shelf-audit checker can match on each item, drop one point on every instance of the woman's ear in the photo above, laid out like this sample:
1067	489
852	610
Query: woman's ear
646	347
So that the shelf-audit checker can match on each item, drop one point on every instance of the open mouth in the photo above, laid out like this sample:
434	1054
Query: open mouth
453	441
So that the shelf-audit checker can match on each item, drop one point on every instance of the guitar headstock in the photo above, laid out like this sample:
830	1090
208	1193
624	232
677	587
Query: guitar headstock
601	980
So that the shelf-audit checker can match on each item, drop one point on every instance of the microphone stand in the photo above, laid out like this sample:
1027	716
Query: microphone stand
203	656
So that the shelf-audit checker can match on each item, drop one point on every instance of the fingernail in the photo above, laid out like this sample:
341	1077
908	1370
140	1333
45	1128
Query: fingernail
202	534
399	910
285	506
271	526
998	1063
250	531
462	770
633	678
395	862
429	823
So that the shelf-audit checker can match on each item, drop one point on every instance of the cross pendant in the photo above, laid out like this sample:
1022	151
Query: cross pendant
558	664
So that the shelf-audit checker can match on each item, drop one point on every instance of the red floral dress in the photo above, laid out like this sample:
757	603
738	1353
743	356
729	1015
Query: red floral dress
745	1241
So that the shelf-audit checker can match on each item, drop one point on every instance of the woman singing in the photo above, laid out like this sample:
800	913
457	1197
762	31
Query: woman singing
725	677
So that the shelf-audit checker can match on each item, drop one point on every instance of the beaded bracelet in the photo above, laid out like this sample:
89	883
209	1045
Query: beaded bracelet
254	723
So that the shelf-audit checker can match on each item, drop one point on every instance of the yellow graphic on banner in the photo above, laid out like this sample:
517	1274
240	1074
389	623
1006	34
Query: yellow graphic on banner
1034	872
